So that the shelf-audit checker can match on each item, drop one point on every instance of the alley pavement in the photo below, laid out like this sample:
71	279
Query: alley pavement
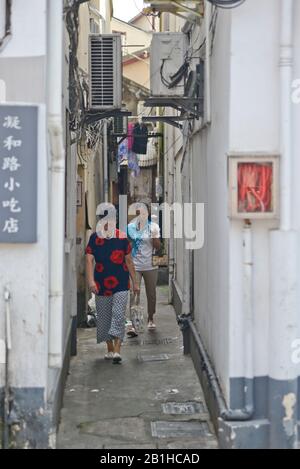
152	401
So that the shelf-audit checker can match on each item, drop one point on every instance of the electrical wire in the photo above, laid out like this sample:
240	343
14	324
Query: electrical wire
146	16
227	4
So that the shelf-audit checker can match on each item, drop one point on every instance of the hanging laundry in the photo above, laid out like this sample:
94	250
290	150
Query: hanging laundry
140	139
122	153
130	137
133	163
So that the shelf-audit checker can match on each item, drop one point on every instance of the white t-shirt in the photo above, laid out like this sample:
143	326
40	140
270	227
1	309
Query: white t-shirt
143	258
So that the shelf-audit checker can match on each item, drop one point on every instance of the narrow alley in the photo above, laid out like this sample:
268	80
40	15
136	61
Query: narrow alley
153	400
149	147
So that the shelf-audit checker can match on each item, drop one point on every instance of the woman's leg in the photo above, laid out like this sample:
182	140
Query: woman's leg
117	329
134	299
104	318
117	345
150	279
132	295
110	346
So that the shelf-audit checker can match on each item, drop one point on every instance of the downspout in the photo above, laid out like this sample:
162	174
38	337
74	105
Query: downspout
57	180
284	263
171	161
7	390
5	35
107	30
208	13
186	197
105	161
286	75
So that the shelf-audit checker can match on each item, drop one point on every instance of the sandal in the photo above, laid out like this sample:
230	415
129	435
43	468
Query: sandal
132	333
109	356
151	326
117	359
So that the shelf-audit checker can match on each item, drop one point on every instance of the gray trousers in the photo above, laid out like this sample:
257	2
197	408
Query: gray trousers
150	279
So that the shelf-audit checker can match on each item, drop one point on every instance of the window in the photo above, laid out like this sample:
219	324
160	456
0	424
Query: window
94	26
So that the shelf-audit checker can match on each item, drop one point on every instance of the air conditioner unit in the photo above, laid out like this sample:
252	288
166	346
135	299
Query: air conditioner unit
168	54
105	71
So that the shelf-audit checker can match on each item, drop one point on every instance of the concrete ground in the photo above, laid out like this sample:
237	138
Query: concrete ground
152	401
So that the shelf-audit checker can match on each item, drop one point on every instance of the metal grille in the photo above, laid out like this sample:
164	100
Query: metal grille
183	408
180	429
120	125
152	358
102	73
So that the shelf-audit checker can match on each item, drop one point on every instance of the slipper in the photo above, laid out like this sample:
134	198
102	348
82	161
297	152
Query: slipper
151	326
117	359
132	333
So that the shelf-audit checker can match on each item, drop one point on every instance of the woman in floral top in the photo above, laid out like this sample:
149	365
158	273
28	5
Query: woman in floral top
108	266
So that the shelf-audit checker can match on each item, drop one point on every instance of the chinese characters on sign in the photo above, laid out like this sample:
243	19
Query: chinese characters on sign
18	174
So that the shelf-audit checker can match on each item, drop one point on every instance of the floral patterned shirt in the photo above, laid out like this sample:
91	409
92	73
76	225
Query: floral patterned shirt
111	273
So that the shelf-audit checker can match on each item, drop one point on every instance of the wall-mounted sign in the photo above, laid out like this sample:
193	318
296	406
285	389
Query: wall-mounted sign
253	186
18	173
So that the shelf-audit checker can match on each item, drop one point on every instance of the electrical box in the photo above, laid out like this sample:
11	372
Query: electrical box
168	54
105	71
254	186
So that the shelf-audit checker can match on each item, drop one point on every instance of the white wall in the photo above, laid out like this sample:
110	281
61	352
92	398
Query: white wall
254	127
28	29
25	267
209	150
245	117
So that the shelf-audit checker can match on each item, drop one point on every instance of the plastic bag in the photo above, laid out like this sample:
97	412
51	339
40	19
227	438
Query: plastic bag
137	316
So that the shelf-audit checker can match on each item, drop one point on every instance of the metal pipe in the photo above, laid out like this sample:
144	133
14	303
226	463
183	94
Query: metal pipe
8	347
171	164
57	180
105	161
286	71
208	13
225	413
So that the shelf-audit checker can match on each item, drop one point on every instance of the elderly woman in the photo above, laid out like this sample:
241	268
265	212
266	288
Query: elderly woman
108	266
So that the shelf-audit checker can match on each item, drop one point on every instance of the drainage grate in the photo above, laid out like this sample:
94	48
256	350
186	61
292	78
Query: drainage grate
152	358
132	342
163	341
179	429
183	408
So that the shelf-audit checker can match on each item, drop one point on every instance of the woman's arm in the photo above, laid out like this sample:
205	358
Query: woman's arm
156	243
155	235
132	272
90	273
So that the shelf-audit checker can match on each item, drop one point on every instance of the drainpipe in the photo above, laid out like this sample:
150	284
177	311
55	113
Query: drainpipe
172	218
208	14
57	179
7	390
105	161
284	261
186	196
286	75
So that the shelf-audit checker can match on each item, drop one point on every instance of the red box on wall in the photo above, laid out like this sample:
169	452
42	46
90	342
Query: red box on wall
253	186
